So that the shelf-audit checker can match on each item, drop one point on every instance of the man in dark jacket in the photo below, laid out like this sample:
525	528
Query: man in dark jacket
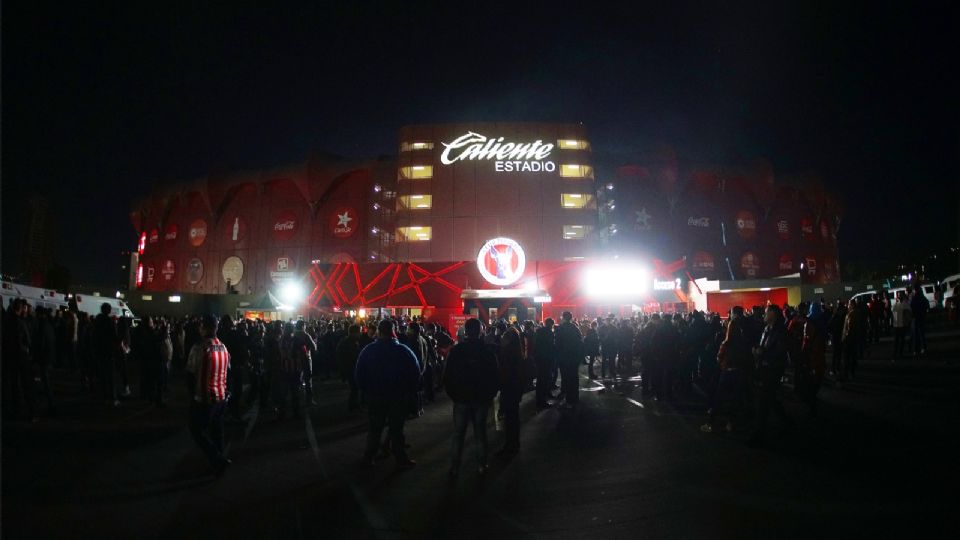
919	306
388	374
570	349
17	378
771	356
471	381
106	348
545	349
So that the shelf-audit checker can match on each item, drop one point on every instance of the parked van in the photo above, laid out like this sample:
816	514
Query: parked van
91	305
35	296
948	284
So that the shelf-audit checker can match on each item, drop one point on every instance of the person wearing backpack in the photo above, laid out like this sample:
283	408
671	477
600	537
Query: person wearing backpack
472	381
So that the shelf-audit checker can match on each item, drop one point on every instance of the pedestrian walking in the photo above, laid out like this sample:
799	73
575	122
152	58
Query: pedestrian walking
207	369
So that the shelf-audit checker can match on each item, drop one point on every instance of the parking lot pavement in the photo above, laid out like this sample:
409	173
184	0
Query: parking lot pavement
880	459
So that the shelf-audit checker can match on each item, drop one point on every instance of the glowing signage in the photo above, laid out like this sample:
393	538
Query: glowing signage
666	285
507	157
232	270
344	222
501	261
285	226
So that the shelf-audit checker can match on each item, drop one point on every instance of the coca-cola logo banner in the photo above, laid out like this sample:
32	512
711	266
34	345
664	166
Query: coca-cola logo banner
285	225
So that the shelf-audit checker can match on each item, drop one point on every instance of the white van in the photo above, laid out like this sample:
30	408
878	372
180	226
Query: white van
948	285
35	296
90	305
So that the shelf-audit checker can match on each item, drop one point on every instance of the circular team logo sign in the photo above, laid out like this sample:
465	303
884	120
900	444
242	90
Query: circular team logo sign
750	264
168	270
343	222
154	236
236	229
198	232
194	271
746	224
232	270
285	226
170	234
501	261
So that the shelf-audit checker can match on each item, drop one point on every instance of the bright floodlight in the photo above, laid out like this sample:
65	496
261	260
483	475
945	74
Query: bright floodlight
619	281
291	293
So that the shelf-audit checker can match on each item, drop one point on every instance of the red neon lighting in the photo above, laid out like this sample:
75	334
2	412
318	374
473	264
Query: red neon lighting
143	242
139	279
330	285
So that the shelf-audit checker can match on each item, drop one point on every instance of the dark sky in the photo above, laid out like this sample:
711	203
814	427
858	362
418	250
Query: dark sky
100	102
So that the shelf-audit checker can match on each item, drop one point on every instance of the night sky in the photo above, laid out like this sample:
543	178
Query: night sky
100	103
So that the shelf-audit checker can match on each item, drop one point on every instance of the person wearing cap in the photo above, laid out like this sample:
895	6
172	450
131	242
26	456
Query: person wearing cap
388	374
207	369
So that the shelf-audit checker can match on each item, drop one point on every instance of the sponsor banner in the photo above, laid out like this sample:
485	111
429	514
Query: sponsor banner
194	271
197	233
746	224
170	233
285	225
154	236
282	269
236	229
232	270
168	270
344	222
750	264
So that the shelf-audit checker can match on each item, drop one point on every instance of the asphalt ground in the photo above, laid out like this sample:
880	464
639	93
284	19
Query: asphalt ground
879	461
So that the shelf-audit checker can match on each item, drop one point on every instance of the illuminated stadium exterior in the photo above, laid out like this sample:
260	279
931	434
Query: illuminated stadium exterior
491	219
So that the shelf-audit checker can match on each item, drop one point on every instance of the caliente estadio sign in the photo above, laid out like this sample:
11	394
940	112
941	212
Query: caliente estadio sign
506	156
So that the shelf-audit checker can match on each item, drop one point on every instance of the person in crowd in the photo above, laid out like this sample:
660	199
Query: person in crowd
17	351
813	360
471	381
546	352
569	343
388	375
348	350
664	347
258	379
607	332
416	343
919	306
733	357
235	341
106	349
305	348
853	327
795	331
901	321
836	325
591	346
625	335
272	374
46	354
875	310
771	361
513	380
291	369
208	366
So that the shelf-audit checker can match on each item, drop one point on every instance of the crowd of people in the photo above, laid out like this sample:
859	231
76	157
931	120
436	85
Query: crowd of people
396	367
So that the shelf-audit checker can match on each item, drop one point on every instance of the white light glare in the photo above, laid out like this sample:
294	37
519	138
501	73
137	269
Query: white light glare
616	281
291	293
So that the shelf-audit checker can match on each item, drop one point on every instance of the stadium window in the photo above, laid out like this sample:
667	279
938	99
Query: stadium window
414	234
416	145
573	144
575	200
414	202
575	232
576	171
416	172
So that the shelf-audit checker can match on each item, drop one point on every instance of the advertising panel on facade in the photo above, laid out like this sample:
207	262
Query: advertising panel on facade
501	261
232	270
197	233
285	225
